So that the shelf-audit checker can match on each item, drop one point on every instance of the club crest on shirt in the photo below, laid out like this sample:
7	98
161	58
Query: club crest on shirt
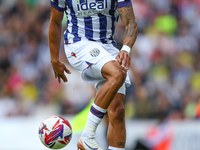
95	52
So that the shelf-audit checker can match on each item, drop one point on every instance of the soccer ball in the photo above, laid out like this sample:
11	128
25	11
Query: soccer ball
55	132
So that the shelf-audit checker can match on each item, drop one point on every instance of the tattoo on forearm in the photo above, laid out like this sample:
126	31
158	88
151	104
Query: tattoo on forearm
127	16
121	144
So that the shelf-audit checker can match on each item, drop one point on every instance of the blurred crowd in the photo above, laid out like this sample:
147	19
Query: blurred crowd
27	83
165	68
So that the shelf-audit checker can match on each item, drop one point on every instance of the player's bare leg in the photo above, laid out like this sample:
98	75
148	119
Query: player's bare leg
115	75
116	134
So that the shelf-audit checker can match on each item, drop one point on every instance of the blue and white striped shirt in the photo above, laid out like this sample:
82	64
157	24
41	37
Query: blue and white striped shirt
91	19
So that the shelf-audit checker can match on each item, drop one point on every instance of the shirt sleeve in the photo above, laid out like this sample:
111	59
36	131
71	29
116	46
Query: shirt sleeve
59	5
123	3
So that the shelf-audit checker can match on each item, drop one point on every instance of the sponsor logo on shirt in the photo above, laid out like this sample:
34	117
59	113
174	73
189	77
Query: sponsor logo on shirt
85	5
88	7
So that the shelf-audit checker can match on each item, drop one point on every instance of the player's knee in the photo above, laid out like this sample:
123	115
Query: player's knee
118	78
117	115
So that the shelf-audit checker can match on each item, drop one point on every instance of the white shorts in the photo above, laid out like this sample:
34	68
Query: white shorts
88	57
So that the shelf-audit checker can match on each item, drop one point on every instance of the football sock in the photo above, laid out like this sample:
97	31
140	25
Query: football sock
115	148
94	118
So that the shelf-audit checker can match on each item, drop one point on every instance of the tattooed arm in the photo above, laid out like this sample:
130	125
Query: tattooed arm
128	18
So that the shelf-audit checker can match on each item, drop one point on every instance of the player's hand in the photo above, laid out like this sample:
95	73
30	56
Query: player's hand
59	69
124	59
